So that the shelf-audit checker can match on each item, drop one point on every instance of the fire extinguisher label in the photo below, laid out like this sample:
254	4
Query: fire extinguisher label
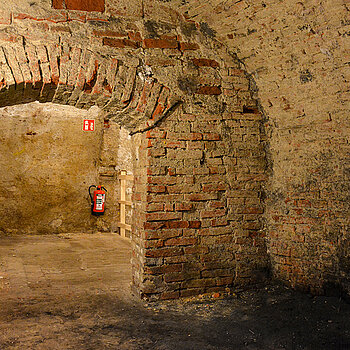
100	199
89	125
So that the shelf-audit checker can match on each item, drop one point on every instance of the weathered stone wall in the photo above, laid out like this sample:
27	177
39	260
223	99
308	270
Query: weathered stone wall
47	163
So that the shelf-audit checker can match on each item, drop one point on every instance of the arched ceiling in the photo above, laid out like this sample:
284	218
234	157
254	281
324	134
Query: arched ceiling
137	64
296	52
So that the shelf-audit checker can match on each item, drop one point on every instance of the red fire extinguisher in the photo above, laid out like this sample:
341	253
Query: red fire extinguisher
97	200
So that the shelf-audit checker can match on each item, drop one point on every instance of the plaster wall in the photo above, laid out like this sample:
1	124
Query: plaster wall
47	164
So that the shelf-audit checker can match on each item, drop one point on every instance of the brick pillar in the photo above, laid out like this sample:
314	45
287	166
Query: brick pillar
197	220
139	197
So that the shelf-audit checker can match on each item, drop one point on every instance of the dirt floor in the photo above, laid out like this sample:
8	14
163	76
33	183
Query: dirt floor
72	292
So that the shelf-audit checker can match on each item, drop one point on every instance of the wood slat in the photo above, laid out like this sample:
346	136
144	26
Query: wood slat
125	177
125	202
124	226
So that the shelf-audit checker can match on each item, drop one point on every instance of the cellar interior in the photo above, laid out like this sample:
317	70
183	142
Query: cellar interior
232	118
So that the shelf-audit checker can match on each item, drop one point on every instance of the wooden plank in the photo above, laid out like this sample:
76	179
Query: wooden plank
125	177
124	226
129	203
122	205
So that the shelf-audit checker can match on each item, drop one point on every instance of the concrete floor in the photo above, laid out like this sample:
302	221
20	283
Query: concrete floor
72	292
78	263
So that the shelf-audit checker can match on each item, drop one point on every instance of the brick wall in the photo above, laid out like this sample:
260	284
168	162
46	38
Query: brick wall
203	216
298	56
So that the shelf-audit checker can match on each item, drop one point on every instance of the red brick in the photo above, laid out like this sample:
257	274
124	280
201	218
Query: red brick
162	252
189	136
163	269
156	152
188	46
251	210
194	224
183	206
136	196
163	216
108	33
195	250
135	36
160	43
57	4
162	180
155	134
217	204
171	171
154	243
176	224
170	37
219	222
156	189
196	197
191	292
82	5
203	282
209	90
237	72
170	295
204	62
211	136
154	207
221	281
61	29
214	187
120	43
213	213
181	241
160	233
169	207
175	144
181	276
174	277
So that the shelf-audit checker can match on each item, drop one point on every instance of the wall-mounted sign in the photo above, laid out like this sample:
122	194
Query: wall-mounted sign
89	125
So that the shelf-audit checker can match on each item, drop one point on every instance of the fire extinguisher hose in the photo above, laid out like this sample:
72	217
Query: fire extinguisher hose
90	193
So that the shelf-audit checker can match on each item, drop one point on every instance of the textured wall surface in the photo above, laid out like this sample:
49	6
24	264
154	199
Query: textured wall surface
253	94
298	56
115	155
47	164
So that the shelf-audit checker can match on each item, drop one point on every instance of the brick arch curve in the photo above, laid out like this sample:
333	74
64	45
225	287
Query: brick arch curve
82	78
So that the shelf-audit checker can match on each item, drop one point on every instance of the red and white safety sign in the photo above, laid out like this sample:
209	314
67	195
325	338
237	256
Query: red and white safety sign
89	125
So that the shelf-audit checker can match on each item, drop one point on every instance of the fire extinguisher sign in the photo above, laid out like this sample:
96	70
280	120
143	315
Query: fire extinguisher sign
89	125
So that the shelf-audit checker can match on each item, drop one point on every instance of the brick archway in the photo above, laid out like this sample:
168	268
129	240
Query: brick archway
199	172
81	78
